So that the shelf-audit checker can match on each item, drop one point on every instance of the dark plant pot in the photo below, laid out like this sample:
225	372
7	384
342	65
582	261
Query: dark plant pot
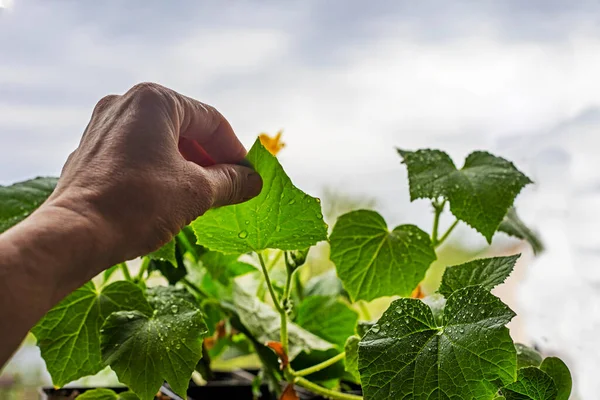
72	393
238	385
228	385
225	385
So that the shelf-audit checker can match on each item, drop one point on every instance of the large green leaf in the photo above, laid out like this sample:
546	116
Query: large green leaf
106	394
560	374
527	357
532	384
225	267
165	253
264	323
373	262
145	349
480	193
281	217
69	337
408	355
513	225
169	261
21	199
328	318
487	272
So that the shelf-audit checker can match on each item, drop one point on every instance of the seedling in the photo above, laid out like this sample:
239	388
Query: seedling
233	289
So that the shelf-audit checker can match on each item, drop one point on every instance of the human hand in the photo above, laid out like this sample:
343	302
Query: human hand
137	176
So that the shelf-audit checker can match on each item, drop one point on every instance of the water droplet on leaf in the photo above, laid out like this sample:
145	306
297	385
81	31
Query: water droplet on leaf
243	234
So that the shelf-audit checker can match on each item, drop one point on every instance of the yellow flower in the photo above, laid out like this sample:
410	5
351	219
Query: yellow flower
273	144
418	293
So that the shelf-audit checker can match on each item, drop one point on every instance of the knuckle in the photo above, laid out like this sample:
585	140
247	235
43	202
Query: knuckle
146	93
105	102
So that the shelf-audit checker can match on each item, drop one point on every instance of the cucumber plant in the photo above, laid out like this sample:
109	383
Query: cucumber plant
234	289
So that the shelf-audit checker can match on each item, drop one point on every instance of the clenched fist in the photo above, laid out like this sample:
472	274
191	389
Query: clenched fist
150	162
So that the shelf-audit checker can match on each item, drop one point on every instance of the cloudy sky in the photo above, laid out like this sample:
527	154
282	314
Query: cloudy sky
348	81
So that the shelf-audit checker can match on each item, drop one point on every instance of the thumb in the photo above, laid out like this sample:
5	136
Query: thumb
232	184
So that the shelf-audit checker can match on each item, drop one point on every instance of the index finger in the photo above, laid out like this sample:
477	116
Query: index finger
205	135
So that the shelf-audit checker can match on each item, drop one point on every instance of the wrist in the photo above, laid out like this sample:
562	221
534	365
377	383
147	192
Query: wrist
57	249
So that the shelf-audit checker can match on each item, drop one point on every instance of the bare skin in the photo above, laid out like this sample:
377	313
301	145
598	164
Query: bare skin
134	181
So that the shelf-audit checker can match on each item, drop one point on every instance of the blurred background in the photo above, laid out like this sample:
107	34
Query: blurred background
349	80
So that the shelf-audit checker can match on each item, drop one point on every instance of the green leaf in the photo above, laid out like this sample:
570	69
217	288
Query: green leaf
328	318
165	253
172	271
480	193
513	226
351	349
325	284
408	355
264	323
532	384
373	262
145	349
527	357
225	267
561	375
363	327
68	336
18	201
106	394
281	217
187	238
487	272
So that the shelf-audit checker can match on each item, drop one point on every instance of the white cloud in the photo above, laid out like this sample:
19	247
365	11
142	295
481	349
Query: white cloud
347	86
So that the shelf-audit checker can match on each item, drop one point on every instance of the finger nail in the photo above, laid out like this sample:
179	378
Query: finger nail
254	185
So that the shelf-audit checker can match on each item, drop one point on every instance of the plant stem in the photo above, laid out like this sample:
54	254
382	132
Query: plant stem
269	285
365	310
195	288
188	246
439	208
445	235
327	393
284	302
125	270
320	366
143	268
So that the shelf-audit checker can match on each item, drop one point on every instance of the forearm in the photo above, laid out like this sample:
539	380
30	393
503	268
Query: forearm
42	260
